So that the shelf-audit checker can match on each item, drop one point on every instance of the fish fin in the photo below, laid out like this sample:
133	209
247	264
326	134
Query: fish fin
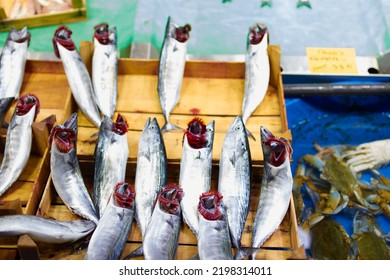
136	253
170	126
249	134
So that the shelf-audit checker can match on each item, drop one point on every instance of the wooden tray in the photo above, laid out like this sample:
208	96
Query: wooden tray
285	237
78	12
212	91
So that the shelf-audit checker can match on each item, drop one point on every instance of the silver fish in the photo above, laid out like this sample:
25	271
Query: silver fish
45	230
65	171
195	169
13	62
111	153
77	75
18	141
276	188
151	172
214	237
257	71
171	69
105	69
5	104
109	238
234	178
162	235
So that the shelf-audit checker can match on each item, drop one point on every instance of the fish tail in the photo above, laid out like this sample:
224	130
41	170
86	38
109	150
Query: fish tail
170	126
245	252
136	253
249	134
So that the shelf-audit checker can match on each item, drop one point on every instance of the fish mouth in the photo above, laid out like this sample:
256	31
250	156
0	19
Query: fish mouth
124	195
62	36
196	133
120	126
182	33
279	147
209	205
257	33
26	103
64	138
152	124
104	35
20	36
71	122
170	197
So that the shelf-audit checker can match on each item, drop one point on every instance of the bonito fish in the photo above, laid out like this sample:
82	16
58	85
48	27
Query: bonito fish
65	170
13	62
45	230
109	238
171	69
18	141
111	153
77	74
276	189
257	71
105	69
151	172
195	168
214	238
162	234
234	178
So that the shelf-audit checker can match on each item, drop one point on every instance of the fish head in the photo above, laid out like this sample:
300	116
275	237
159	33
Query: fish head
275	149
120	125
196	133
182	33
124	195
257	33
19	36
104	35
62	36
151	132
26	103
64	138
169	199
210	206
236	138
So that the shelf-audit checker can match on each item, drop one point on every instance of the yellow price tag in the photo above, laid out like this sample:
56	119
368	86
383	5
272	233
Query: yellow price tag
332	60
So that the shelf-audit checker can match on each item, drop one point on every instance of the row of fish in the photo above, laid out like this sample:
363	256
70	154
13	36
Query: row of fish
212	215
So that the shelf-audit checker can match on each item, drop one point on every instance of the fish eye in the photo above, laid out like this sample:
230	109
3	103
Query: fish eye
238	127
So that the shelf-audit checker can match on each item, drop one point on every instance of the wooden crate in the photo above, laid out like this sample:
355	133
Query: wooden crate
51	206
212	91
78	12
46	79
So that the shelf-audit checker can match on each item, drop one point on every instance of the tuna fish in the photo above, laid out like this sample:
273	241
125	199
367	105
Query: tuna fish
171	69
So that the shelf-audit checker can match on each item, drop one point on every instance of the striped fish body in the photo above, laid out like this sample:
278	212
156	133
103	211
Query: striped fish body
276	188
195	177
151	172
111	154
13	61
105	70
234	178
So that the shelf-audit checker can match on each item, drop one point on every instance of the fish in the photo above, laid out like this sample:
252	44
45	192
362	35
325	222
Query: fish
110	236
234	179
214	237
151	172
13	62
276	187
195	168
171	69
45	230
111	153
18	141
5	104
65	170
105	68
257	71
77	74
162	234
